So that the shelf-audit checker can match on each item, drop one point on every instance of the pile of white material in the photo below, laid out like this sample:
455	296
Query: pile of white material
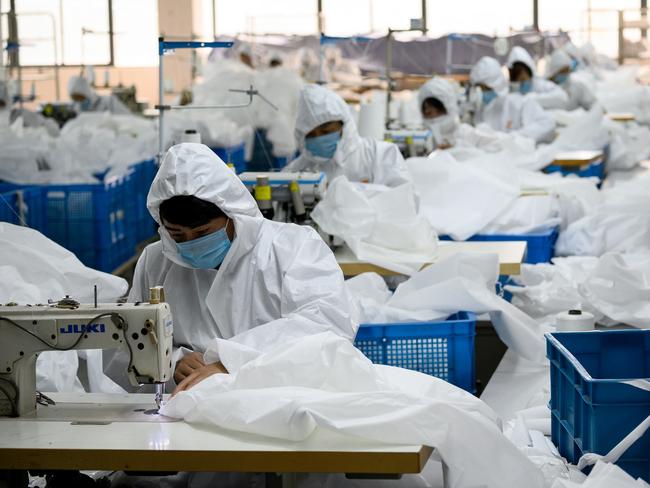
91	143
323	381
461	282
620	92
215	128
379	224
35	270
619	223
614	288
280	86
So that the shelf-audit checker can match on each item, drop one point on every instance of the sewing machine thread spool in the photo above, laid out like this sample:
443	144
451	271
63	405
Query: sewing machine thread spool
156	295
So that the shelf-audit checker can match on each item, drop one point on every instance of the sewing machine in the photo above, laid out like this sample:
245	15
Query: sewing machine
411	143
286	197
143	330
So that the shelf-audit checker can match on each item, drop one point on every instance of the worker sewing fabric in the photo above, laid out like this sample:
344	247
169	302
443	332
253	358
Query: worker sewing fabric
524	80
508	112
438	102
560	70
228	273
329	142
88	100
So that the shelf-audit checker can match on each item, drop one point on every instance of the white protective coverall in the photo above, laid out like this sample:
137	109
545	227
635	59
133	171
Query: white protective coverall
278	281
545	92
78	85
358	158
448	129
510	112
580	95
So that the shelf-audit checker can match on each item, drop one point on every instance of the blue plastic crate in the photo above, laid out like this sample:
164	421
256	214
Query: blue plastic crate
93	221
540	248
234	154
443	349
23	206
143	174
596	169
592	411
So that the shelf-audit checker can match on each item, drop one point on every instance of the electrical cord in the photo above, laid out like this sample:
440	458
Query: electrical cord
81	334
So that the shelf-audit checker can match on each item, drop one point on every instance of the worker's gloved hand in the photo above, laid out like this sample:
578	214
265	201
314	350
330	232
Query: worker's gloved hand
199	375
187	365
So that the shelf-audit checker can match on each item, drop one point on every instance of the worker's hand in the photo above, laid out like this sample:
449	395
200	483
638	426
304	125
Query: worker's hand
444	145
186	366
199	375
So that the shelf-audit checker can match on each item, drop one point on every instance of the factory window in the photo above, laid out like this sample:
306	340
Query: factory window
77	32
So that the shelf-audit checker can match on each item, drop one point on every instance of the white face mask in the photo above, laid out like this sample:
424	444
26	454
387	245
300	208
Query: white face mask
442	128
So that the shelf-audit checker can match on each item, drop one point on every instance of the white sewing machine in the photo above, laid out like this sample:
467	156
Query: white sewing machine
143	330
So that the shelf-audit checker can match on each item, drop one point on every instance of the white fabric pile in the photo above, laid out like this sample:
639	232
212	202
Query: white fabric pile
278	85
323	382
381	225
91	143
620	222
35	270
615	288
461	282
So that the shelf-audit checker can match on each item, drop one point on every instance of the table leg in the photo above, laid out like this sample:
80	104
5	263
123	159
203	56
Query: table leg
14	479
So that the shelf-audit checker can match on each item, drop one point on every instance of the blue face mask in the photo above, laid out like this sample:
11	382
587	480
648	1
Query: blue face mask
206	252
574	64
85	105
323	146
561	78
488	96
525	87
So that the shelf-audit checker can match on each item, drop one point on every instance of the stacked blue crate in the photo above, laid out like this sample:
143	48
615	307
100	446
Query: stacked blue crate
593	406
444	349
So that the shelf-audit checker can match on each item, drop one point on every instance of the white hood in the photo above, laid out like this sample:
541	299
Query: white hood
317	106
194	169
559	60
443	91
78	85
488	72
520	55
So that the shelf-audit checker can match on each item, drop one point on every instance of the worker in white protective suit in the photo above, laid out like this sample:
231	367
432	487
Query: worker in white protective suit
524	80
228	273
438	102
328	140
88	100
507	112
559	70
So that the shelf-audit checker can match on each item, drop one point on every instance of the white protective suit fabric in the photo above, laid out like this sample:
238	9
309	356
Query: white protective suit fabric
277	282
78	85
356	157
603	475
545	92
620	223
324	382
578	92
34	270
614	288
443	186
510	112
463	281
380	225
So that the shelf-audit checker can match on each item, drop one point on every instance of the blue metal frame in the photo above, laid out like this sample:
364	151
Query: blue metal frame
164	46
